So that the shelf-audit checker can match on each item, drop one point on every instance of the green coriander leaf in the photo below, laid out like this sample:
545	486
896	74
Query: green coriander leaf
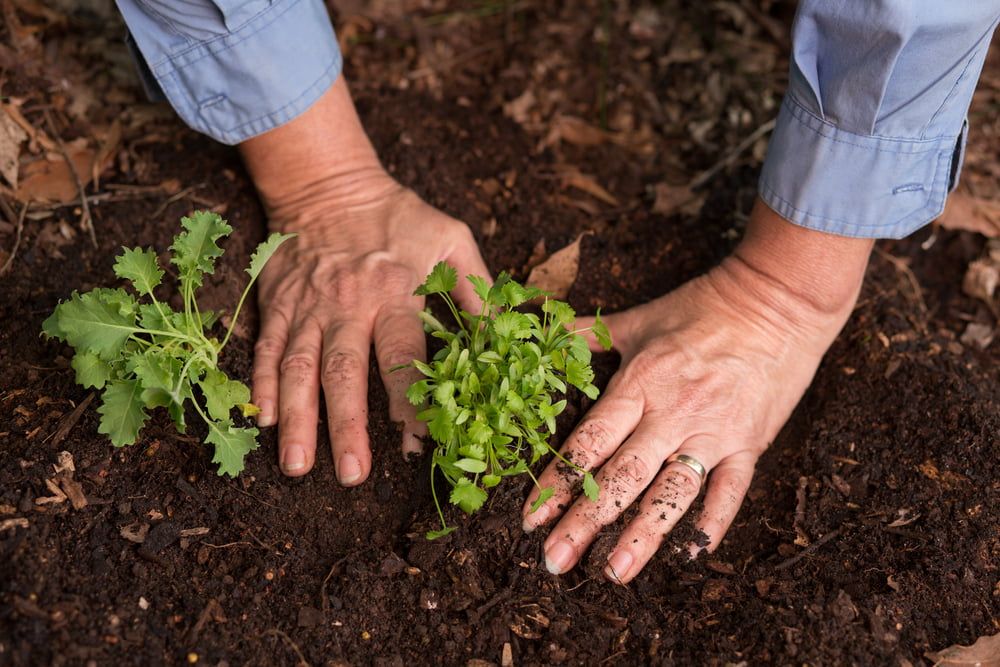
232	444
515	294
195	249
559	312
443	278
264	252
467	496
543	496
474	451
579	374
480	286
591	392
471	465
479	432
222	394
91	370
122	414
590	487
139	267
489	481
435	534
90	324
579	350
432	323
416	394
601	332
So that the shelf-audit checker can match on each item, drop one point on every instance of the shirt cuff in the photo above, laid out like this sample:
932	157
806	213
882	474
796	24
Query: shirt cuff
821	177
233	85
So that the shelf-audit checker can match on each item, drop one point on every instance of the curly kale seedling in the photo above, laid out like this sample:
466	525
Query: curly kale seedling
491	387
144	355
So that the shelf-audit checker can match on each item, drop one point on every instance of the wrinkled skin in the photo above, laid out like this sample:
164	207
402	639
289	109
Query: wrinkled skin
711	370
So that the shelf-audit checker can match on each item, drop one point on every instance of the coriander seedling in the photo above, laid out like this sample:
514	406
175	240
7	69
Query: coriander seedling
144	355
491	387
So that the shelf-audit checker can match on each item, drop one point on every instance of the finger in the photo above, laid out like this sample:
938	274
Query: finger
267	354
399	339
344	376
727	486
467	260
298	399
666	501
620	482
594	439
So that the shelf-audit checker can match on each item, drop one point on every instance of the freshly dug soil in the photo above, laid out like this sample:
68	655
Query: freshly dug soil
888	469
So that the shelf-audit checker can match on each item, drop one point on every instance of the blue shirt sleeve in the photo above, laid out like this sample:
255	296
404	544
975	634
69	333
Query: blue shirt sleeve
233	69
870	135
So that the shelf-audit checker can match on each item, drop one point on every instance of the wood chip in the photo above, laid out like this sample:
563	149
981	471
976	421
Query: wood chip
135	532
11	524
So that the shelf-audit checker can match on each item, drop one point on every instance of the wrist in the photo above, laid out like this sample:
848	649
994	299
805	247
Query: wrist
317	166
798	271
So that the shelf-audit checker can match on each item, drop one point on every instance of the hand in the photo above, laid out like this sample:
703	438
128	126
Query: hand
711	370
364	244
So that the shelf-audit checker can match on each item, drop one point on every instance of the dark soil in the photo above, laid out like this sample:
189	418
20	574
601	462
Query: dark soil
891	461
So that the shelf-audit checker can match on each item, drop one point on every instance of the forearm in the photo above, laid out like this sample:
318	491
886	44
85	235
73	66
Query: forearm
796	268
321	157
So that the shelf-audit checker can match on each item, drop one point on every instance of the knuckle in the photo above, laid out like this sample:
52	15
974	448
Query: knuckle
268	348
592	438
682	481
298	363
399	354
633	469
341	367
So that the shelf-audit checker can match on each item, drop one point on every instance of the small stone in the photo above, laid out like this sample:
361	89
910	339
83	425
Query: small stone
143	603
428	599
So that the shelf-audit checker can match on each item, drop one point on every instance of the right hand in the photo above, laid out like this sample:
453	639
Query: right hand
364	245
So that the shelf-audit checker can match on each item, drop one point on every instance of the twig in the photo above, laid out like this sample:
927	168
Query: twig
901	266
295	647
800	512
324	598
86	222
170	200
812	548
70	421
707	175
17	241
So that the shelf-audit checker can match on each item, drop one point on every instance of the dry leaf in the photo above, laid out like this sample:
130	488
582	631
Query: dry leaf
573	178
558	273
575	131
981	279
51	179
676	199
984	653
980	335
518	109
964	211
11	138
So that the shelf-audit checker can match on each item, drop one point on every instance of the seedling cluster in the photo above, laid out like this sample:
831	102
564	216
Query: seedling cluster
490	387
145	355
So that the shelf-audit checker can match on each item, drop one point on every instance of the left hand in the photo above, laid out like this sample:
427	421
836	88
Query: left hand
711	370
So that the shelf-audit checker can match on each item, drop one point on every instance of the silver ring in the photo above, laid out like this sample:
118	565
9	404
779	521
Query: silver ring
690	462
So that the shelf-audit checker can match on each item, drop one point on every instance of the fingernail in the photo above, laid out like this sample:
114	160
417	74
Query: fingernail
293	459
559	557
349	469
535	519
618	566
266	416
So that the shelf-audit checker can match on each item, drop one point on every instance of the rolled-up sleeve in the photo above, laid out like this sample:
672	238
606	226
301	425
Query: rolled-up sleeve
870	136
233	69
